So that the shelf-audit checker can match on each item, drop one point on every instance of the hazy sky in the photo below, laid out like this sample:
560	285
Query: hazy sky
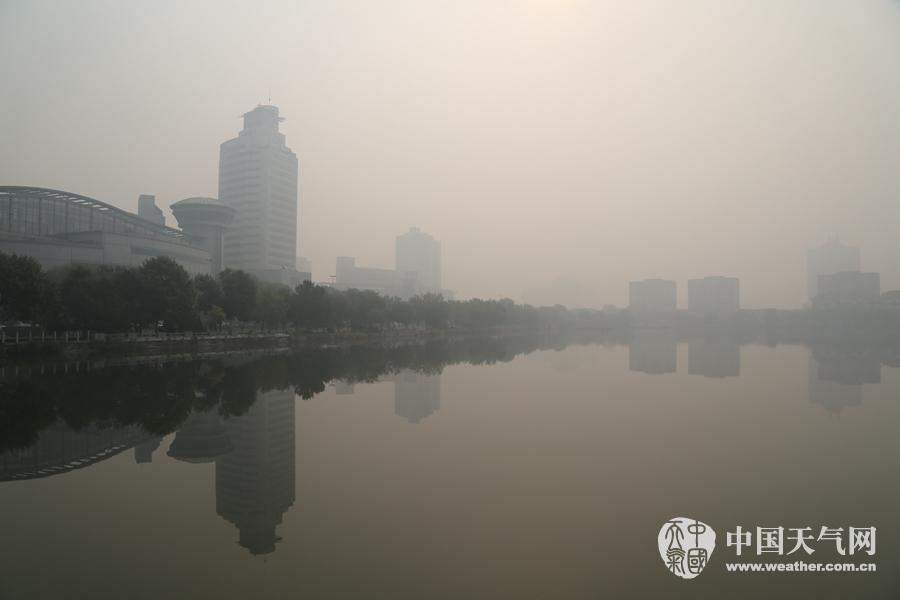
558	146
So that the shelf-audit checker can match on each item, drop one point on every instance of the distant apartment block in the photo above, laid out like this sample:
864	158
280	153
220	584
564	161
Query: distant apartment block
714	295
829	258
419	253
418	269
652	296
848	288
387	282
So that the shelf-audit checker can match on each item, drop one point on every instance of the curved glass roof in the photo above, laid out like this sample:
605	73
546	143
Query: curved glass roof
47	212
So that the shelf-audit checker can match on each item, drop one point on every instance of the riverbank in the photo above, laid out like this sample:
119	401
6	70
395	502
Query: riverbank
162	347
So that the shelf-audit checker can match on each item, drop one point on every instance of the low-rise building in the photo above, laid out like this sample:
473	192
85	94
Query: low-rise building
58	228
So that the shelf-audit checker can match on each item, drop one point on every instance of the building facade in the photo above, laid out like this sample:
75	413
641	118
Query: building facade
206	220
831	257
147	209
714	295
848	288
419	253
258	179
58	228
387	282
652	296
304	267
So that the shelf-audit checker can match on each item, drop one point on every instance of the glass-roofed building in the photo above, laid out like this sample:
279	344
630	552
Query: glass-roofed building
58	228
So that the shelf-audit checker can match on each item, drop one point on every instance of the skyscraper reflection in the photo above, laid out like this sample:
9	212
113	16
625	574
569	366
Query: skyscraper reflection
255	481
416	395
653	353
720	357
836	376
201	438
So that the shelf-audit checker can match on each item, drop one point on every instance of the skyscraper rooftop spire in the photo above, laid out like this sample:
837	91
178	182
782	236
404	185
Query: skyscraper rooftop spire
263	116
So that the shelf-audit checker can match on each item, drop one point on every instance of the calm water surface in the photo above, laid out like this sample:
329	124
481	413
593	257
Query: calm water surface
533	473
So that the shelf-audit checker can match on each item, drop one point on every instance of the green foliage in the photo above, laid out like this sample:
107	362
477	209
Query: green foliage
214	316
271	306
431	309
311	308
209	292
115	299
25	291
363	309
239	294
101	299
167	294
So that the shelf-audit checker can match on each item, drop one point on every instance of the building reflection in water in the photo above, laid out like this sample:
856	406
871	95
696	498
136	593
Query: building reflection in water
143	452
344	388
255	481
202	438
836	376
719	357
60	449
417	395
653	353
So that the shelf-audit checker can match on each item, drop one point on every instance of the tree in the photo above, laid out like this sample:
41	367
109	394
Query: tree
25	291
365	309
431	309
214	316
209	292
399	311
272	301
238	294
311	307
209	300
168	294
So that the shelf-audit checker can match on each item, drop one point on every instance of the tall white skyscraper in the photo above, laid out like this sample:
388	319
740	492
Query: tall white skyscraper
258	178
419	253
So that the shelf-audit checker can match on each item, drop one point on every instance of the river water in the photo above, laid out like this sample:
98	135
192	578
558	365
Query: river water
500	468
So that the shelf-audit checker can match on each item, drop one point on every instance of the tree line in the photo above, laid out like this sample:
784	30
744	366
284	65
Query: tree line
160	294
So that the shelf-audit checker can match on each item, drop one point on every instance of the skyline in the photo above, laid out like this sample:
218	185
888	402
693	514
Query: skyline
546	142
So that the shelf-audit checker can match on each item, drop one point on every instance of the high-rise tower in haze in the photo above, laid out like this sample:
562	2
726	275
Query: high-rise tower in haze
829	258
419	253
258	178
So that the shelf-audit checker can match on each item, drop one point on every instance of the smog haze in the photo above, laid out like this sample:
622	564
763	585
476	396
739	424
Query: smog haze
557	149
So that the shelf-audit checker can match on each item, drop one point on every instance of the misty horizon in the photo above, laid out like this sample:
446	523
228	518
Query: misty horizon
558	150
